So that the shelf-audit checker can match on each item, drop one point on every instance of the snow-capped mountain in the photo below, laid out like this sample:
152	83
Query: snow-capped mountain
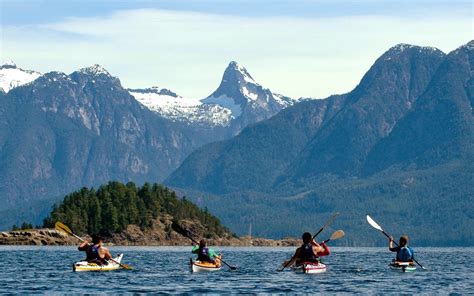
239	100
11	76
248	101
238	91
174	107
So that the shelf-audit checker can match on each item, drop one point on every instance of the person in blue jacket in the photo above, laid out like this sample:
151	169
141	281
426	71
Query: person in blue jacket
404	252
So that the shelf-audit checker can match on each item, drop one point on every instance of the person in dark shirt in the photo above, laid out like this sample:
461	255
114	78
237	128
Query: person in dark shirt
310	251
95	252
404	252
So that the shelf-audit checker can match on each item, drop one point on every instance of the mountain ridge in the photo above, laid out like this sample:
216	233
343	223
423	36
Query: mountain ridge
400	144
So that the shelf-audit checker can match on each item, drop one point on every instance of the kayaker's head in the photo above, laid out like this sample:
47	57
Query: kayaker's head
307	237
202	243
403	241
96	239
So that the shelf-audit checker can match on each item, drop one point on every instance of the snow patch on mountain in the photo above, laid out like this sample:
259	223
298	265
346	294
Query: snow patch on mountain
252	96
11	76
238	93
176	108
225	102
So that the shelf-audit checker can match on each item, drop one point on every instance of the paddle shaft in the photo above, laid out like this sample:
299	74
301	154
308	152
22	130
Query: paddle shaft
388	236
326	225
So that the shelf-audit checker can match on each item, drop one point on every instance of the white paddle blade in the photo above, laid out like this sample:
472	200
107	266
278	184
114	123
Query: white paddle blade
373	223
337	234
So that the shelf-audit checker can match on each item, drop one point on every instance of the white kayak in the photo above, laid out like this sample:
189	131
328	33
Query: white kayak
402	266
88	266
309	267
198	266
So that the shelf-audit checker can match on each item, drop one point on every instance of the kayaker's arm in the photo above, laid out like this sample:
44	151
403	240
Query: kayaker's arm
105	253
212	254
293	259
325	250
195	249
391	246
316	247
83	246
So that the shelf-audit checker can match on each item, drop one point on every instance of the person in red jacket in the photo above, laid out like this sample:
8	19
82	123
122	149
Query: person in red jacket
310	251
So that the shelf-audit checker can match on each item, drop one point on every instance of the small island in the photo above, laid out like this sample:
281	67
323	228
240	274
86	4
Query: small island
129	215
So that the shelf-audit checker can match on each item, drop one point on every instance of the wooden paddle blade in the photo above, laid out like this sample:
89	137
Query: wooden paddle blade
373	223
125	266
337	234
63	228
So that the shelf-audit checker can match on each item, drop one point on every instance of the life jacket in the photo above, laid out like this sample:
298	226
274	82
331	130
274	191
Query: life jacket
306	254
203	255
93	253
405	254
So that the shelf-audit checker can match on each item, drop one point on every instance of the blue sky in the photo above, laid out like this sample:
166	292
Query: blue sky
297	48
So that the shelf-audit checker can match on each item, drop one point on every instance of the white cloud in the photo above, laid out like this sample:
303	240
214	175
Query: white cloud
188	51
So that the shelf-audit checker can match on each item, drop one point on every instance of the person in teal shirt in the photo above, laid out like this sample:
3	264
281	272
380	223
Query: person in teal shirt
204	253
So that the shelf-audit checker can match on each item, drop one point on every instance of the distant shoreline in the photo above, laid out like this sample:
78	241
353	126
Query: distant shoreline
51	237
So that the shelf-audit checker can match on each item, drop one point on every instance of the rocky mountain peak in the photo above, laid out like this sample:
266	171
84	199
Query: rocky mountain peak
95	70
466	47
235	72
404	48
95	74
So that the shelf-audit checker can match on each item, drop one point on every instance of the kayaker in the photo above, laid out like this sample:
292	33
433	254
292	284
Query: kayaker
96	253
404	252
204	253
310	251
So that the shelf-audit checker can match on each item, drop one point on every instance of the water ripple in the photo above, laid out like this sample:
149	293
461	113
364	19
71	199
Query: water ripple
46	270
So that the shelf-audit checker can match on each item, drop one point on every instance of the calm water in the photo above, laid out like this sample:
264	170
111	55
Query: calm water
165	270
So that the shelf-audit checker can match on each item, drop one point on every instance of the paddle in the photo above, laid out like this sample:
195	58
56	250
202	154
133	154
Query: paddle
63	228
336	235
378	227
184	232
330	220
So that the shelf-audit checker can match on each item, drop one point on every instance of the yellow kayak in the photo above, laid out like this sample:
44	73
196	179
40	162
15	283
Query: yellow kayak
87	266
198	266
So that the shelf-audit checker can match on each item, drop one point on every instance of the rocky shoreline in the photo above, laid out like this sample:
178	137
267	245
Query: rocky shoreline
51	237
36	237
161	233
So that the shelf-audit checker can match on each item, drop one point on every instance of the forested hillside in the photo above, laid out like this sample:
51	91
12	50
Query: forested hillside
114	206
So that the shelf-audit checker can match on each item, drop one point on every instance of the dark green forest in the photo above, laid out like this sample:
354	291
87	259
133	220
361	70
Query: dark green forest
114	206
